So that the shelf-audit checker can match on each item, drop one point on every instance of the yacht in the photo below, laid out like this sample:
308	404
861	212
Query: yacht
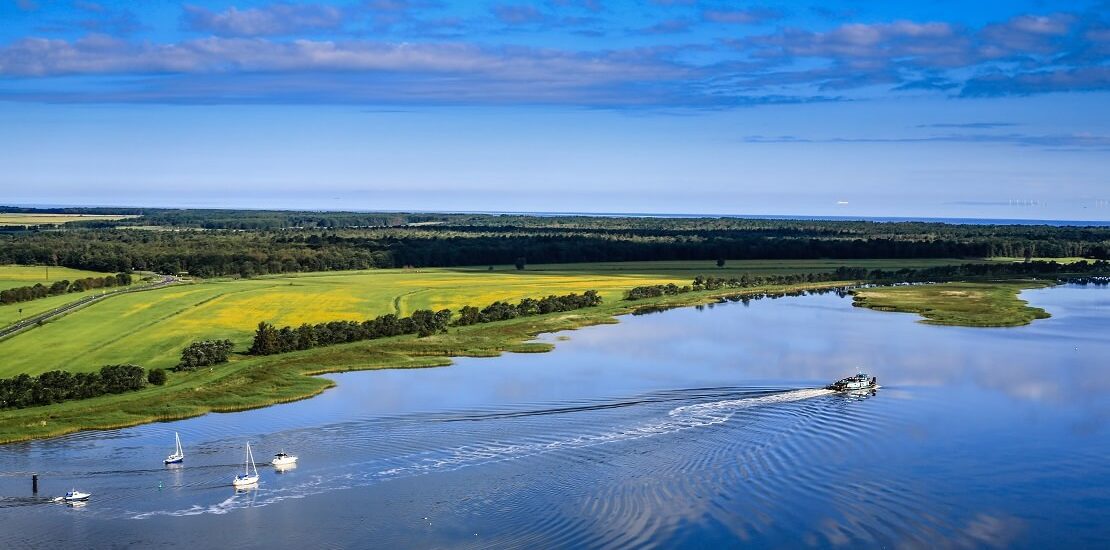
283	459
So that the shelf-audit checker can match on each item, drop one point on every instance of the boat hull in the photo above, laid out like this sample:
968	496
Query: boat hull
173	460
290	461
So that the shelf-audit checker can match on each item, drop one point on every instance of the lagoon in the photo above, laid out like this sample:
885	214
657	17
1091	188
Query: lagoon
692	427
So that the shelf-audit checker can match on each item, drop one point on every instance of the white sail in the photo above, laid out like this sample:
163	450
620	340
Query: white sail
178	453
247	478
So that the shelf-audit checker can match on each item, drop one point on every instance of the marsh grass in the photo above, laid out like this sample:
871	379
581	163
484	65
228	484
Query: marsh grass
969	304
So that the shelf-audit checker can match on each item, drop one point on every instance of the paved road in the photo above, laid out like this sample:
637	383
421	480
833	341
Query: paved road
58	312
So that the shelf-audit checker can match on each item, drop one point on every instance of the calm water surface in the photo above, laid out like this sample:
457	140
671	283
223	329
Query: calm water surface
694	428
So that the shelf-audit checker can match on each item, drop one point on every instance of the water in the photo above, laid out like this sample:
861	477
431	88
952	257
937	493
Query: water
693	428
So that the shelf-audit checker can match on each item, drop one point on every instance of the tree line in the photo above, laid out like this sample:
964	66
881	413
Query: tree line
57	288
56	386
283	242
500	311
1086	271
269	339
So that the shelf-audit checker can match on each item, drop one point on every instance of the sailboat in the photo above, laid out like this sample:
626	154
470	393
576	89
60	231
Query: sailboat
247	478
178	455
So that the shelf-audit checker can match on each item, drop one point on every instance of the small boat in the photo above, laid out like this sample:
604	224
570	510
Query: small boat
283	459
76	496
858	382
247	478
178	455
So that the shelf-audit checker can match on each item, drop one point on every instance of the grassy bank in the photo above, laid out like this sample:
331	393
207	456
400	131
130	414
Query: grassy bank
987	304
251	382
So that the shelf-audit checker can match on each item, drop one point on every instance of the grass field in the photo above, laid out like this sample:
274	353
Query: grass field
994	304
12	276
151	328
55	219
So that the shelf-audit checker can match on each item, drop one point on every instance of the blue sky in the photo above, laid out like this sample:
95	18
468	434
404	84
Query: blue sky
928	108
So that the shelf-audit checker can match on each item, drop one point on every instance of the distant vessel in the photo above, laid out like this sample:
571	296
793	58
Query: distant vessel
858	382
178	455
247	478
76	496
283	459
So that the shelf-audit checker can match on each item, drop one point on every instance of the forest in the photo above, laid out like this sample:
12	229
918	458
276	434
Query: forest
209	243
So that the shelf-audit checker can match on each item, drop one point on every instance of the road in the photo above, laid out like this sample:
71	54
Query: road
35	320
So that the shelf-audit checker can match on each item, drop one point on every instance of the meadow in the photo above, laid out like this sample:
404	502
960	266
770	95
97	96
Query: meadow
12	276
994	304
150	328
55	219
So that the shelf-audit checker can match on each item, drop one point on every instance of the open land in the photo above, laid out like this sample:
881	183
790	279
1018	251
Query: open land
12	276
56	219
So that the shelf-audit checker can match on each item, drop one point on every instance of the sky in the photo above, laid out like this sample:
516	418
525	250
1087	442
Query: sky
927	108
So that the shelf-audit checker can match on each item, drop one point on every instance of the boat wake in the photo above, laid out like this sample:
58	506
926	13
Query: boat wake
678	419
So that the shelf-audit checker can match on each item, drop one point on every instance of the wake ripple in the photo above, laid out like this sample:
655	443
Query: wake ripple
678	419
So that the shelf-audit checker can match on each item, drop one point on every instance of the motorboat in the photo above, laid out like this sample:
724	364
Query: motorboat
178	455
283	460
249	476
861	381
76	496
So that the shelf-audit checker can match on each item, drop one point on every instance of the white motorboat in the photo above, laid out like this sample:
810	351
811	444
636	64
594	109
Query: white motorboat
178	455
855	383
76	496
283	460
247	478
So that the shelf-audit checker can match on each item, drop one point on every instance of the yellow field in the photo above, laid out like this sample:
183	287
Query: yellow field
150	328
55	219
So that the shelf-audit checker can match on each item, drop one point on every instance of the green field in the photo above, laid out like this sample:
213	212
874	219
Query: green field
150	328
12	276
994	304
55	219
